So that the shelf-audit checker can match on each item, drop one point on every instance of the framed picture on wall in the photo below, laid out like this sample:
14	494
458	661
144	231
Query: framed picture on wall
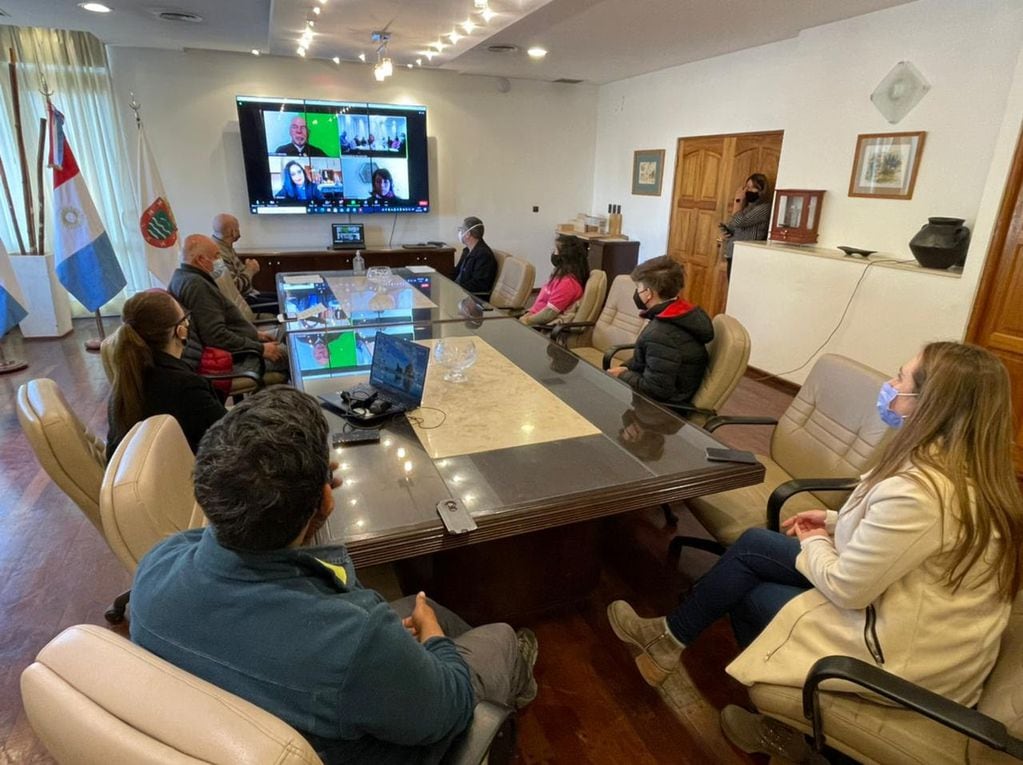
647	172
886	164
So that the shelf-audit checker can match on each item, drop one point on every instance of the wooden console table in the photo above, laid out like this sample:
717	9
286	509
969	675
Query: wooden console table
611	255
272	262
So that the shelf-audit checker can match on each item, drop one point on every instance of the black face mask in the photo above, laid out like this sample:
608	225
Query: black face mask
556	259
638	301
752	196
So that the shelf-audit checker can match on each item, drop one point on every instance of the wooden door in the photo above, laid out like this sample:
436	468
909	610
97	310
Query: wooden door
997	319
707	170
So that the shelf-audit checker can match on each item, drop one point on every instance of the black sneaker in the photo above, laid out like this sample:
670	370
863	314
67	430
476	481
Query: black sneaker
530	650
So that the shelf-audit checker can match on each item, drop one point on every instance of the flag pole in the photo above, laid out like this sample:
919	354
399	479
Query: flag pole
45	90
92	346
9	365
26	182
10	208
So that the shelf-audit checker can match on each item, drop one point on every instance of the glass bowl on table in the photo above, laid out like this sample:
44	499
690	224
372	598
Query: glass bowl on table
455	355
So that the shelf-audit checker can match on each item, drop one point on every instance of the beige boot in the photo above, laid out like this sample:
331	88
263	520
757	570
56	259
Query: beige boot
659	651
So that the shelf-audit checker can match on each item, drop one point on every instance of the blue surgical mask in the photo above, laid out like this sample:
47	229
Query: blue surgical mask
885	397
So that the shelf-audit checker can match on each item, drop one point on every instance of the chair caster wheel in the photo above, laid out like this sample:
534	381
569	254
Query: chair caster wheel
114	615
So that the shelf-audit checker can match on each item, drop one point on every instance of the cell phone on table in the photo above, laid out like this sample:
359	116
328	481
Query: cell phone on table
731	455
355	436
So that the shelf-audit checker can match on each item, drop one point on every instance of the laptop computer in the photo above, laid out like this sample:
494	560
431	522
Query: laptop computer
347	236
396	381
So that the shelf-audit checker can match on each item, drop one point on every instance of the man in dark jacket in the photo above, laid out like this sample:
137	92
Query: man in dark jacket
216	321
477	268
671	357
243	605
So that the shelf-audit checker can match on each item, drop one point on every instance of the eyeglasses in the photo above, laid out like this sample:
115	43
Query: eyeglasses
183	320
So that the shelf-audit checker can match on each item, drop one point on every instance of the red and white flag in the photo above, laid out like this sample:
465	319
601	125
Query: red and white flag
156	223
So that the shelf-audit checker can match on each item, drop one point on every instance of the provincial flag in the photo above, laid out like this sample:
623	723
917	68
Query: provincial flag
157	224
12	301
85	260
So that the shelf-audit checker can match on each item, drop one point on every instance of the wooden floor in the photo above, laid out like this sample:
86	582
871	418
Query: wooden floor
56	571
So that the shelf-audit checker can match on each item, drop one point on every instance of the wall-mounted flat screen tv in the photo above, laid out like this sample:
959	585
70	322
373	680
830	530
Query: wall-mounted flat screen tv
332	157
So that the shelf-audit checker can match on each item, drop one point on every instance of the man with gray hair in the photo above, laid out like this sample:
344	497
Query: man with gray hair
243	605
477	268
216	321
227	231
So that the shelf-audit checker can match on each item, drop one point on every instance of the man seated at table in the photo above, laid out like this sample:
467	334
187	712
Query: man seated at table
217	322
227	231
242	605
671	357
477	268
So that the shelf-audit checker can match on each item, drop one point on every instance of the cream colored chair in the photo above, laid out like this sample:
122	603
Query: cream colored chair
825	440
514	283
583	311
94	698
70	453
922	727
147	494
618	324
225	282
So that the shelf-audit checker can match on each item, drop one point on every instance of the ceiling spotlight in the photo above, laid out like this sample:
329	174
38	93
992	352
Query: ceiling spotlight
487	15
409	65
255	52
300	51
310	23
429	54
468	26
480	4
336	59
536	53
316	10
439	45
94	7
378	73
454	36
362	57
419	62
386	65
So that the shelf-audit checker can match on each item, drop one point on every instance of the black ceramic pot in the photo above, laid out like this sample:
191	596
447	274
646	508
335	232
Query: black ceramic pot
942	243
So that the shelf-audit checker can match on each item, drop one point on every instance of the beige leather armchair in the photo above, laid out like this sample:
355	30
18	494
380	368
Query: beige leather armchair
147	494
618	324
514	283
94	698
922	727
830	433
584	312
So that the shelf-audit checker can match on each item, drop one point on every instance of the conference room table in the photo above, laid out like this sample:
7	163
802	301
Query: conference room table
537	444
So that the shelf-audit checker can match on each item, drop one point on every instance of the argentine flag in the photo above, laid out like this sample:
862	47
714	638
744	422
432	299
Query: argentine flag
85	260
12	302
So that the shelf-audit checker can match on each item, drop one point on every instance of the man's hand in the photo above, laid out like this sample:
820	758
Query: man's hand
423	622
252	266
272	351
808	519
617	371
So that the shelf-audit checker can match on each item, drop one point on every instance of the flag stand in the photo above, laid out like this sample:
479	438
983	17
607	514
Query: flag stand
10	365
92	346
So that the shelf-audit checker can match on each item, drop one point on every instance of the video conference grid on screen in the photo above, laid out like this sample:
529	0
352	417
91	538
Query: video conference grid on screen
333	156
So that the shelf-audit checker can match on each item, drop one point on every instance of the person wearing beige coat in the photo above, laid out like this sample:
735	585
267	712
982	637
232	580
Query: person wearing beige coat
915	573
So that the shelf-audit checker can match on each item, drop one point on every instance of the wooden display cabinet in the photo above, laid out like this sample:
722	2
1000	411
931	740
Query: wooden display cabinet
796	215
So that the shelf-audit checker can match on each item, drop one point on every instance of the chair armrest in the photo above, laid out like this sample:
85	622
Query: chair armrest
789	489
725	419
476	742
570	327
684	409
967	721
610	353
256	378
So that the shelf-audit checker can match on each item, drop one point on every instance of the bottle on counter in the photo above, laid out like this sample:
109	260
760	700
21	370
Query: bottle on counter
358	264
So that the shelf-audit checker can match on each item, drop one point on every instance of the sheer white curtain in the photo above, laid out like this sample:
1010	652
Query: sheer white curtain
75	67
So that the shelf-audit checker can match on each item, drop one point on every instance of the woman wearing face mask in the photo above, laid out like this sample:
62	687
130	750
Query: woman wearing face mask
671	357
148	374
916	572
558	297
751	216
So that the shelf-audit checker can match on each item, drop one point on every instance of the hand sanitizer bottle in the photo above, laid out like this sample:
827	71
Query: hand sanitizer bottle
358	264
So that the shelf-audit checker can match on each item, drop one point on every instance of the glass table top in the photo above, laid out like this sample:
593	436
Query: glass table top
329	299
629	453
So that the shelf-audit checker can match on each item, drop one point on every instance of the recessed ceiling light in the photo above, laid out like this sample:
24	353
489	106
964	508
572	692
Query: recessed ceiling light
454	37
362	57
409	65
487	14
94	7
300	51
536	52
316	10
336	59
255	52
468	25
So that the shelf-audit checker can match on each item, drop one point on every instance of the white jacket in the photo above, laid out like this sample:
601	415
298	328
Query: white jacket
880	595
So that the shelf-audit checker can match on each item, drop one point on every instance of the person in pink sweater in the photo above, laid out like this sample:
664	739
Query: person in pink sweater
565	287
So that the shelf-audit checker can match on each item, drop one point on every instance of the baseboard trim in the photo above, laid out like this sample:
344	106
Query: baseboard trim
770	380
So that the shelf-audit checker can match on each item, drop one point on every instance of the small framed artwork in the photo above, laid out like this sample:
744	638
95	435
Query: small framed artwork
885	165
647	172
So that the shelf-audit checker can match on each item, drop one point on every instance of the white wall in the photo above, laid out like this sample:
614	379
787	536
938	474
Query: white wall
492	154
817	88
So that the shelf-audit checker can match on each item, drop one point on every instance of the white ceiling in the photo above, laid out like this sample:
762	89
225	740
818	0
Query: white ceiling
592	40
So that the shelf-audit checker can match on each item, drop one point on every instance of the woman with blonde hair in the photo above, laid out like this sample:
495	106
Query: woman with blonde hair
916	572
148	374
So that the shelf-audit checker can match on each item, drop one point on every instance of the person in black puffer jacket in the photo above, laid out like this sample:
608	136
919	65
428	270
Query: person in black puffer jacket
671	357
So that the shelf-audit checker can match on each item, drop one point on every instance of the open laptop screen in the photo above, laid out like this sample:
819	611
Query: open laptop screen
399	368
347	235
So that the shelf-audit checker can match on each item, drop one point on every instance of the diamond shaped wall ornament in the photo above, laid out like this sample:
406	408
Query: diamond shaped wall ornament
900	90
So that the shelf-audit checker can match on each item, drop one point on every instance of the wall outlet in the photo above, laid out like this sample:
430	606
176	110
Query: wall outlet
536	208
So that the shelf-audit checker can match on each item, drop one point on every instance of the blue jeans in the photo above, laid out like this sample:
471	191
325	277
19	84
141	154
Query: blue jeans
753	580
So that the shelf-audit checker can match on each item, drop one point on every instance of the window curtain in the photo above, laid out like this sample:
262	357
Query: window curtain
74	65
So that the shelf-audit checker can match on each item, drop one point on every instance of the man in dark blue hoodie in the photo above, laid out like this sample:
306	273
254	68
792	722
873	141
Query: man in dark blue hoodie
671	357
243	605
